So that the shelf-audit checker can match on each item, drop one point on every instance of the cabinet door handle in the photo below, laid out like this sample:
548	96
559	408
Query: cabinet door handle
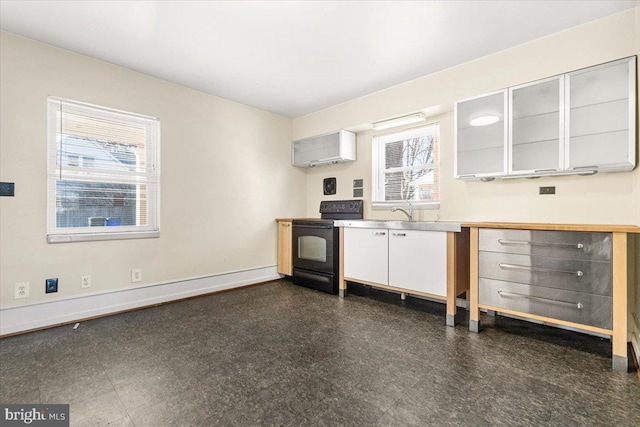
506	242
379	233
504	266
505	294
399	234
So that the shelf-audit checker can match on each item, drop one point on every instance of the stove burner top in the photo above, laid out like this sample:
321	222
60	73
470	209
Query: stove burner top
341	209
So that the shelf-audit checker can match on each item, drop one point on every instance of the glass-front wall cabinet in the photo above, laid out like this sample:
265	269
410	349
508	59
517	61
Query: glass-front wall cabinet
581	122
600	120
481	136
535	131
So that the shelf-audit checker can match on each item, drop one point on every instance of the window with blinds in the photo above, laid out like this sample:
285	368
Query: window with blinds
103	173
406	168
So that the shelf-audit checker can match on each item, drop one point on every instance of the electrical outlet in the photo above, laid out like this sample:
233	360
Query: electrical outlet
136	275
86	281
51	285
547	190
21	290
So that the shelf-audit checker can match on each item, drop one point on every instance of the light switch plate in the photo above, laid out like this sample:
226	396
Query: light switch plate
51	285
7	189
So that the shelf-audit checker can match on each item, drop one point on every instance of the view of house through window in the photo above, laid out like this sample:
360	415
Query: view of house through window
103	171
406	167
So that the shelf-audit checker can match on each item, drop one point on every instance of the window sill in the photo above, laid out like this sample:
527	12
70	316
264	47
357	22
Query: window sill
418	206
88	237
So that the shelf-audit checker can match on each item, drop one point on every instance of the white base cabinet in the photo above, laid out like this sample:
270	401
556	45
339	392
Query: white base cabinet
407	259
418	261
366	254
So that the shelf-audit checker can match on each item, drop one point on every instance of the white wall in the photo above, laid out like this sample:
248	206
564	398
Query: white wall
603	198
226	175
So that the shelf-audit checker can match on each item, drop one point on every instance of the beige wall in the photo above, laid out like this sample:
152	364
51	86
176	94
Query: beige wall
226	175
634	293
605	198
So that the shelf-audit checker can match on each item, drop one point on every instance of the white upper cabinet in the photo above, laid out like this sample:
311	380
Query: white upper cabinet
600	117
535	128
336	147
481	136
580	122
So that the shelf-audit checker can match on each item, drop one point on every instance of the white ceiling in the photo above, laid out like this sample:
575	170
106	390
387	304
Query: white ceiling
293	57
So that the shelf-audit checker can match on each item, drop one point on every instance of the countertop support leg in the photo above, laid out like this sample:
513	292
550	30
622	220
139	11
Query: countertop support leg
451	279
342	284
474	310
457	273
620	277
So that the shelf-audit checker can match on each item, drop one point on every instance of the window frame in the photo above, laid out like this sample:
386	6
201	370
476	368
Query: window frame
150	175
378	168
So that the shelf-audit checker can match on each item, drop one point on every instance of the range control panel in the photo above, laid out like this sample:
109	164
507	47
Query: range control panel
341	209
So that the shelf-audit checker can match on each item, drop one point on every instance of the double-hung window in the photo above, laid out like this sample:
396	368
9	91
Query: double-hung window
103	173
406	168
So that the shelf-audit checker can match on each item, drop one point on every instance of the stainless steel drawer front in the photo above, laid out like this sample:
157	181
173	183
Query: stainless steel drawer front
560	244
576	307
594	277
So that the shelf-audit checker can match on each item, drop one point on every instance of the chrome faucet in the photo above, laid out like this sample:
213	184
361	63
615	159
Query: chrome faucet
408	214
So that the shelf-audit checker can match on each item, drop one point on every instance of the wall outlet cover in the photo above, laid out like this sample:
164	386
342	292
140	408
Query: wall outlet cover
51	285
86	281
21	290
136	275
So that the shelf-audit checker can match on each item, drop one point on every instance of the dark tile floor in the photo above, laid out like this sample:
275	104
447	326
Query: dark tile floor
278	354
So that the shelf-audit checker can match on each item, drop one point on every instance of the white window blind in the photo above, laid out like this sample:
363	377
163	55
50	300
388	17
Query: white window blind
103	173
406	167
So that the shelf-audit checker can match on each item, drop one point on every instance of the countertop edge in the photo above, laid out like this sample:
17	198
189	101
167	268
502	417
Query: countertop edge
607	228
440	226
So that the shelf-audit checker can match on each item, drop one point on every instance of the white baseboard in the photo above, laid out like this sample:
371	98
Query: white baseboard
39	315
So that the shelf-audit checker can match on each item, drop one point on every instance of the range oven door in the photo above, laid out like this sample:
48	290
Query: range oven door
315	254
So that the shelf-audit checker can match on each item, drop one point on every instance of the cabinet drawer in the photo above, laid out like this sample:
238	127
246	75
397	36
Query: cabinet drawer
594	277
556	244
576	307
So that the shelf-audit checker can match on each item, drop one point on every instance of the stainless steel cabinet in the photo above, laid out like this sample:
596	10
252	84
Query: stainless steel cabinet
481	136
562	275
575	307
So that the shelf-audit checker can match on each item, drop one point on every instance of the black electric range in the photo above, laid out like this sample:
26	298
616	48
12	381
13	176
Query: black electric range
316	249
